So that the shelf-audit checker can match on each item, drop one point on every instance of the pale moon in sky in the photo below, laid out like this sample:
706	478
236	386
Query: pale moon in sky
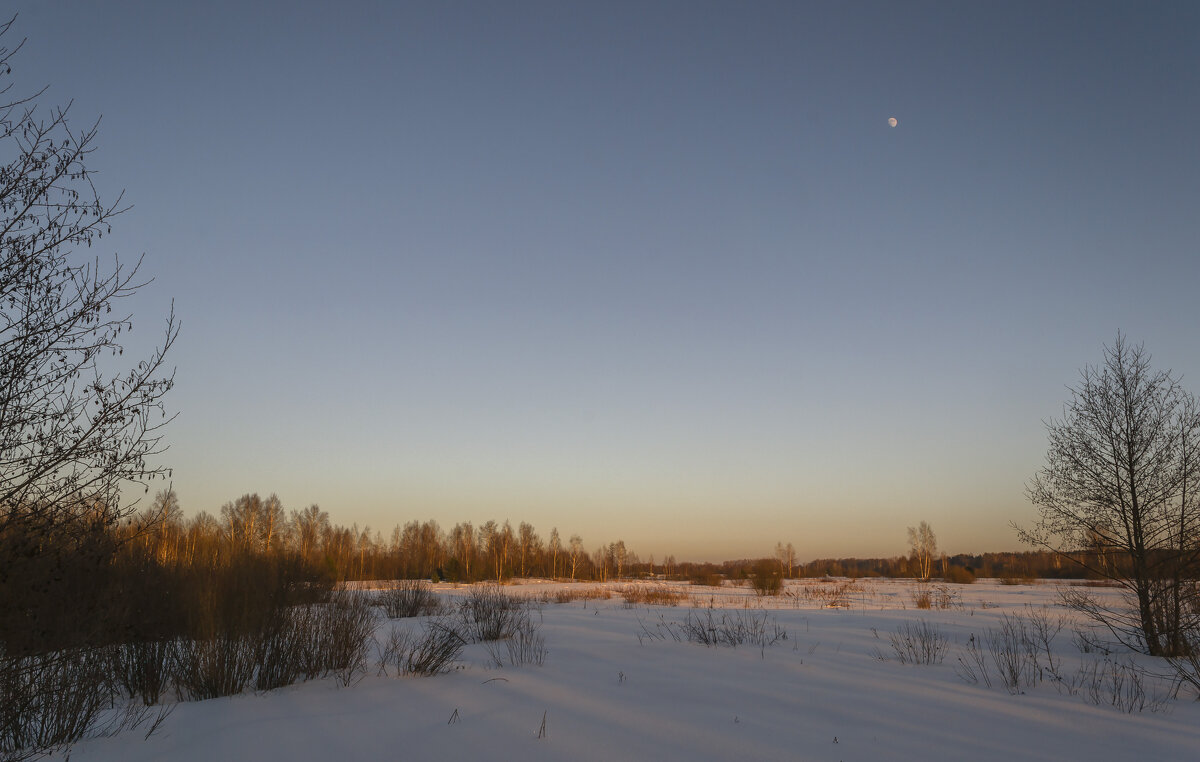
893	121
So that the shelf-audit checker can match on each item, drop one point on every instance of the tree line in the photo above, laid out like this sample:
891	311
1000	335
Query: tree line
498	551
253	525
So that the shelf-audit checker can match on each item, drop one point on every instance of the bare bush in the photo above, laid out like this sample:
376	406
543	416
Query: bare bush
1013	654
1043	627
959	575
142	668
733	628
660	631
297	643
50	700
1121	685
279	649
972	664
336	636
766	578
433	653
706	579
408	598
488	613
526	646
213	667
919	642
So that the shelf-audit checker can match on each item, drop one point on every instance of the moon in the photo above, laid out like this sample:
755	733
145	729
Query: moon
893	121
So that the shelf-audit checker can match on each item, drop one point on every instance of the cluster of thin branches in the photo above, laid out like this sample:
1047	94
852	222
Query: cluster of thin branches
919	642
1020	654
730	628
488	613
408	598
432	653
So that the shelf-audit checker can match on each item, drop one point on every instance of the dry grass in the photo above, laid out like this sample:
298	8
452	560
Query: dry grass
832	594
934	597
653	595
576	593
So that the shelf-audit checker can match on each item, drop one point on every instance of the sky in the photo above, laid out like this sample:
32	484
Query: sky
651	271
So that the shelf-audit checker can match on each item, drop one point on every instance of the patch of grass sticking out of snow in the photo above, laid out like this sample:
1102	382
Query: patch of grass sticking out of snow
653	595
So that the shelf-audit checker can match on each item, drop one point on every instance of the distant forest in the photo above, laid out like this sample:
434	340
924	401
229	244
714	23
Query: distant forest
252	525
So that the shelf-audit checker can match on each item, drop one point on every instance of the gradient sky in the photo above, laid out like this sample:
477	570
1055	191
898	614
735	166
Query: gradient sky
651	271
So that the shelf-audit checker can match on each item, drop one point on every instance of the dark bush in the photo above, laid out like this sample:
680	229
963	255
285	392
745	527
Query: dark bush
431	654
488	613
959	575
766	578
408	598
50	700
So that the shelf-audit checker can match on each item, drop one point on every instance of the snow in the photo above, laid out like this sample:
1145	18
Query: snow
605	694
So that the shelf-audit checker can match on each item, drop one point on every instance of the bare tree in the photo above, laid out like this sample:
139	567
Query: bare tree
308	526
576	553
620	556
787	557
555	549
923	543
81	424
242	520
529	543
463	547
273	521
78	421
1121	479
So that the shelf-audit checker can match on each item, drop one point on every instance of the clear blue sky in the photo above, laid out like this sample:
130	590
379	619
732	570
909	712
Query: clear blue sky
652	271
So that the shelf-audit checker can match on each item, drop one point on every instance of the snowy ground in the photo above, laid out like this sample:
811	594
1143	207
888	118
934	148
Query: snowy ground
609	689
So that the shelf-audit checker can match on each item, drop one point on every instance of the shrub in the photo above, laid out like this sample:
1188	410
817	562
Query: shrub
431	654
1012	651
732	629
1121	685
213	667
526	646
972	665
50	700
488	613
294	643
959	576
335	636
766	579
706	579
408	598
1011	577
919	643
142	667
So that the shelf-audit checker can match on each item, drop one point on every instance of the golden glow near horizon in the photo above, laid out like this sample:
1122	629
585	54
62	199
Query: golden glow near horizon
601	279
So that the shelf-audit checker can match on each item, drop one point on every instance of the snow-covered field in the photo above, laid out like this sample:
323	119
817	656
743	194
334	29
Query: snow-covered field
617	684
